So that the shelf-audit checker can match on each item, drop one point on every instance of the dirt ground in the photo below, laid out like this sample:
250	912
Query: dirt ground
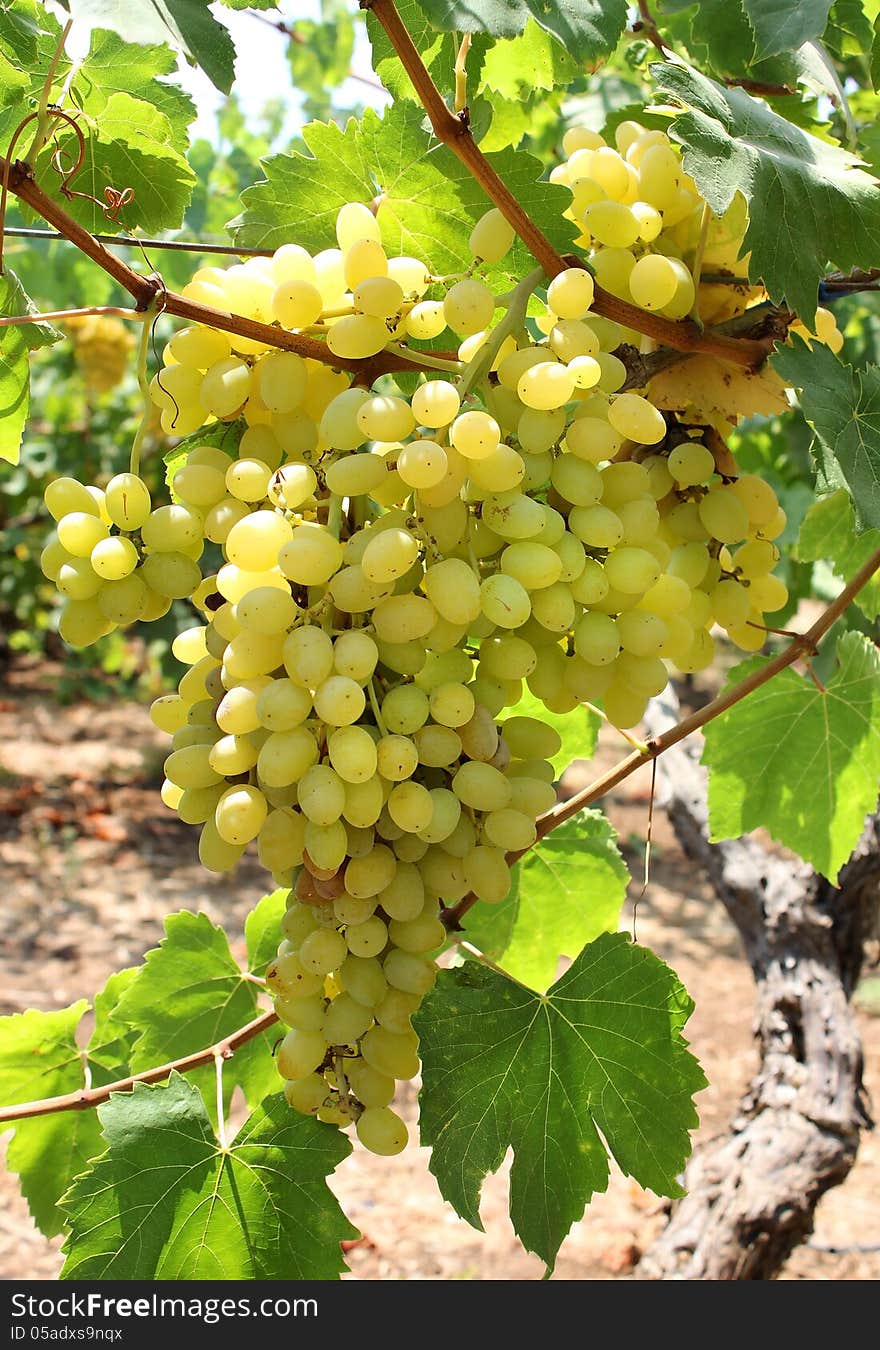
91	862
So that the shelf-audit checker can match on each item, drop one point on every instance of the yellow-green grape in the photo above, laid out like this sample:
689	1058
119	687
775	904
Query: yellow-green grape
339	701
653	282
241	813
128	501
436	403
637	419
79	532
322	950
306	1095
300	1053
468	307
389	554
386	418
545	385
362	259
426	320
355	654
724	515
379	296
82	622
570	293
423	464
596	638
64	496
382	1131
123	601
346	1020
611	223
356	336
391	1053
486	873
691	463
77	579
492	237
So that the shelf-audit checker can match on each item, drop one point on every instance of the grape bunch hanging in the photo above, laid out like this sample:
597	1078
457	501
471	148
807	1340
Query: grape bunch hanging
380	577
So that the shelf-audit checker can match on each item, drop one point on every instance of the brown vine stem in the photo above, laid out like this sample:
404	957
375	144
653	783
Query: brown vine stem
145	289
86	1098
804	645
454	131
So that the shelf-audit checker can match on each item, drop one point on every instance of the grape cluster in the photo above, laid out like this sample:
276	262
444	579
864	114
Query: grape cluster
101	348
381	575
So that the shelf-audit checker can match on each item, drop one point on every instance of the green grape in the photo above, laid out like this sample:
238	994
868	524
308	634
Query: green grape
403	618
368	875
339	701
280	706
364	979
388	555
395	1010
232	755
67	496
77	579
423	464
321	794
82	622
723	514
128	501
391	1053
300	1053
346	1020
379	296
596	638
372	1088
756	558
545	386
426	320
306	1095
405	709
475	435
487	873
731	603
410	806
352	753
691	463
611	223
403	898
285	756
254	542
356	336
508	829
241	814
481	786
637	419
281	841
322	950
592	439
421	934
79	532
308	656
595	526
216	853
758	498
382	1131
492	237
267	610
641	632
386	418
505	601
570	293
653	281
368	938
468	307
632	570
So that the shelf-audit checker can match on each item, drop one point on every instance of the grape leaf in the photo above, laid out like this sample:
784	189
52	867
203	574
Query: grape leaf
784	25
437	50
428	200
167	1202
799	761
567	890
578	729
596	1065
29	37
15	343
534	60
262	929
842	405
848	32
113	66
828	532
718	35
39	1057
187	25
188	994
129	144
588	29
796	185
112	1039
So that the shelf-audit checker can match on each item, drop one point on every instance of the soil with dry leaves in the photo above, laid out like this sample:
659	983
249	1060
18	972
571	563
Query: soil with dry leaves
91	862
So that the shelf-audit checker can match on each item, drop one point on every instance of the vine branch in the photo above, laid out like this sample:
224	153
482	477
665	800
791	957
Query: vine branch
86	1098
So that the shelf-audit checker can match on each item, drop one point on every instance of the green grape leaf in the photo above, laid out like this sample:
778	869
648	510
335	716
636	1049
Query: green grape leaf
29	37
875	55
16	340
784	25
800	761
516	67
598	1065
188	994
796	185
129	144
116	67
262	930
588	29
849	31
112	1040
39	1057
168	1202
578	729
566	890
828	533
437	50
187	25
428	200
842	405
718	35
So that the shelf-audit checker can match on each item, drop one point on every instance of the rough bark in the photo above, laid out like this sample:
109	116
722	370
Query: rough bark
752	1193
